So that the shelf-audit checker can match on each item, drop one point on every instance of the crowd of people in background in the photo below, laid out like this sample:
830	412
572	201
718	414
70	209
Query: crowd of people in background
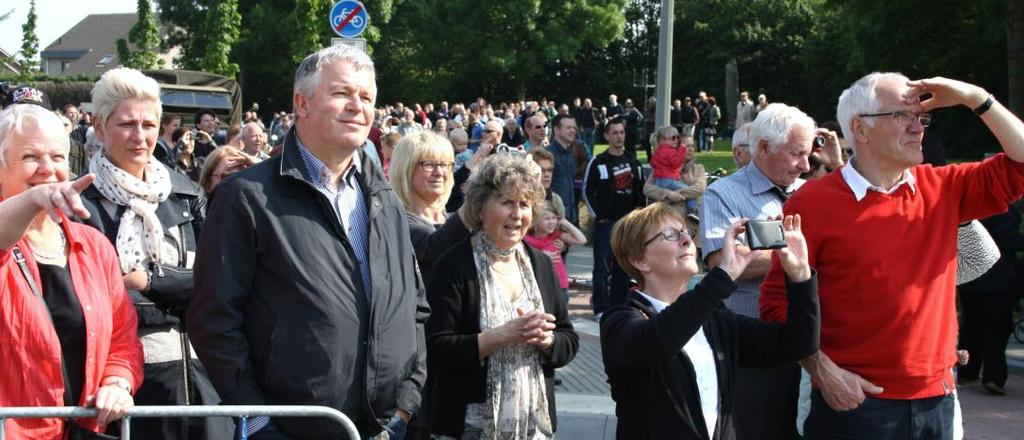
406	264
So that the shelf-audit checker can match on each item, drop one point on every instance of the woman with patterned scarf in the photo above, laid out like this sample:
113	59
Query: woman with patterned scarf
153	216
498	327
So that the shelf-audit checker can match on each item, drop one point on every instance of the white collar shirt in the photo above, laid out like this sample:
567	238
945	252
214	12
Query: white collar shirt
860	186
698	349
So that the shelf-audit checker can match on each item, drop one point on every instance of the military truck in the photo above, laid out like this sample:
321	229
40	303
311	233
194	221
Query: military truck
184	92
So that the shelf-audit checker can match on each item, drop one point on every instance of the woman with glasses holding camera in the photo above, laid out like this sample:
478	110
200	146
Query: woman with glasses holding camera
671	354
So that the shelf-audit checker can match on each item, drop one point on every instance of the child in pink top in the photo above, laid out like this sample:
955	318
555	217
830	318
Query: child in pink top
543	235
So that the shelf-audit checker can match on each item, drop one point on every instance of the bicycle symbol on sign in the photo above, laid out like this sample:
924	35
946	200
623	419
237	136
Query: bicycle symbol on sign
355	22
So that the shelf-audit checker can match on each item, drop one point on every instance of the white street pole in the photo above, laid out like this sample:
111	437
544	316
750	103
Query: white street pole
664	64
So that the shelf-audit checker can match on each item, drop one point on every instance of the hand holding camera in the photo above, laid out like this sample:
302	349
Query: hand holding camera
734	258
827	143
782	236
793	256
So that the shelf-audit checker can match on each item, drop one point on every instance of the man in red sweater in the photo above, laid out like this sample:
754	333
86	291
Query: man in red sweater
882	236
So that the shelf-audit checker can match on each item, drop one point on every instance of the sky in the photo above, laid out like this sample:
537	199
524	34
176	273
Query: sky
53	18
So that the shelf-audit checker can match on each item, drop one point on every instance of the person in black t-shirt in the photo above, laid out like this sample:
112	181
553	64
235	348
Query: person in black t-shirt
612	188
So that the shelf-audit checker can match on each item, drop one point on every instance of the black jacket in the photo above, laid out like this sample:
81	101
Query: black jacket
170	286
653	382
430	241
279	315
456	375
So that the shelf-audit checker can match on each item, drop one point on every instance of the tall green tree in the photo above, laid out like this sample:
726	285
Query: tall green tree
1015	55
766	38
144	35
186	22
285	32
29	44
458	48
921	38
223	27
309	19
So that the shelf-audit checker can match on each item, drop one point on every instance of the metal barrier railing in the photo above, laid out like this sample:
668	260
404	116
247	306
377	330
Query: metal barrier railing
238	411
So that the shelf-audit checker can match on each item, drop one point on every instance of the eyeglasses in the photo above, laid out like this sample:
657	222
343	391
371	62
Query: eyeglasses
430	166
538	127
672	234
904	117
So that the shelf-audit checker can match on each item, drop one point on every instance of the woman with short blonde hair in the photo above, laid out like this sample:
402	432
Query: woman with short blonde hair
153	216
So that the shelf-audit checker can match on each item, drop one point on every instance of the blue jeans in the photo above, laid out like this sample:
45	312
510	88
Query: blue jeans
588	136
607	292
701	140
882	419
675	185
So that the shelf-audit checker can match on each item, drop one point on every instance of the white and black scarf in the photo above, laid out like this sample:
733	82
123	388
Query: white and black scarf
140	235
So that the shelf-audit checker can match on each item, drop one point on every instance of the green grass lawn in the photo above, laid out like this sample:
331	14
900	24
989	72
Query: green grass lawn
720	156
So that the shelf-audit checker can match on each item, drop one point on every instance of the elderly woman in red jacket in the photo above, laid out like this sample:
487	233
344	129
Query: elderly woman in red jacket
67	327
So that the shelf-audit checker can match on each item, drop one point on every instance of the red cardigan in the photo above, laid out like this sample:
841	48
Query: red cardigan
887	270
29	348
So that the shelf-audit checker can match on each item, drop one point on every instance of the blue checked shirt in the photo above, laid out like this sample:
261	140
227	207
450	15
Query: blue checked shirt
746	193
349	205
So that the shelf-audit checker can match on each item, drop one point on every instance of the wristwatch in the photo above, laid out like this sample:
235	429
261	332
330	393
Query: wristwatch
119	382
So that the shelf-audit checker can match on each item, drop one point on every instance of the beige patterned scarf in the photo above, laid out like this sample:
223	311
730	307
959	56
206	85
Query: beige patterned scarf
517	405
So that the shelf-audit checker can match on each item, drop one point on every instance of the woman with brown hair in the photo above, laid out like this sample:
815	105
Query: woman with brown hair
498	326
671	353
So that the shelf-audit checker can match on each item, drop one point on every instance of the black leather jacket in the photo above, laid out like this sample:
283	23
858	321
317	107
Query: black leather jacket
279	316
170	286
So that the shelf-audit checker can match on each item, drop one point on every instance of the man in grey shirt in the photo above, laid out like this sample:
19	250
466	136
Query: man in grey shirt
781	138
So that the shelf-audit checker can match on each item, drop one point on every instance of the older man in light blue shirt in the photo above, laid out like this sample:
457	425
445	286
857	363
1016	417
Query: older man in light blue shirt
780	142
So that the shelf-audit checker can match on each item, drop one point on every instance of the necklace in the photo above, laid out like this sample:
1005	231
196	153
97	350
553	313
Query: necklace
493	250
57	255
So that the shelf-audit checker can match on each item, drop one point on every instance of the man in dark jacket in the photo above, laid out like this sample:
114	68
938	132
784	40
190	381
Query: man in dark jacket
612	188
307	291
987	303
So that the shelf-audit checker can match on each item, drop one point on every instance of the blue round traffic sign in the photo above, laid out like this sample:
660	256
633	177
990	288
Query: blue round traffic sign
349	18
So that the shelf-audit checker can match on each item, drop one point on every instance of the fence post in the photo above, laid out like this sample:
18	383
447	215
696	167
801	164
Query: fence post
126	428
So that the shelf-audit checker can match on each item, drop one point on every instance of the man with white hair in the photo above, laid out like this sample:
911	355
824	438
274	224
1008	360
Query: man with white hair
307	291
885	251
741	145
780	141
254	141
492	132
